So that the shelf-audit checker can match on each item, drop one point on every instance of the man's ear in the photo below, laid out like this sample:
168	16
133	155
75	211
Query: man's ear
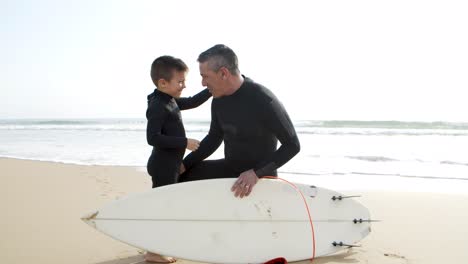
224	73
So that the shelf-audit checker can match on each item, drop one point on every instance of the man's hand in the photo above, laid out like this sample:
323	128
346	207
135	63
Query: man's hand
192	144
244	184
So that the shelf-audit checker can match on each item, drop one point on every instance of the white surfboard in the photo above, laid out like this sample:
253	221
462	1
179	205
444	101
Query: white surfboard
203	221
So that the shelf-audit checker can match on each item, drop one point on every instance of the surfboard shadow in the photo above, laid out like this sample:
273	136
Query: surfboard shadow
343	257
137	259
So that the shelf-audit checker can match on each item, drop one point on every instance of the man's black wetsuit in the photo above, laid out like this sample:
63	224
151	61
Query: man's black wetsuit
250	121
166	133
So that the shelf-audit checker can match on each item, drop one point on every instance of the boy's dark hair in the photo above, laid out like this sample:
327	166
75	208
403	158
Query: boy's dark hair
164	67
220	56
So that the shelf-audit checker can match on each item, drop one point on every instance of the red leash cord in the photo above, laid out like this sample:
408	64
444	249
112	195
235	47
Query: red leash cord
308	211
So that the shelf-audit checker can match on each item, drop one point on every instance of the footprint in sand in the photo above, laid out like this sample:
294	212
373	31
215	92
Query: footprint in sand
396	256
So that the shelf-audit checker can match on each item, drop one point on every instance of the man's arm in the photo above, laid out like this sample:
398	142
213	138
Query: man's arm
185	103
156	117
208	145
277	119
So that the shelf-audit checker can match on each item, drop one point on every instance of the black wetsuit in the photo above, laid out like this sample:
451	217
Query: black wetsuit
165	132
250	121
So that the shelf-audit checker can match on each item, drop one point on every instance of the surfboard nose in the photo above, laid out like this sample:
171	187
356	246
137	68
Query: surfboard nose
89	218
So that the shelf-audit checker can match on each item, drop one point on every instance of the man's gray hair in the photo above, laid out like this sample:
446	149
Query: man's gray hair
220	56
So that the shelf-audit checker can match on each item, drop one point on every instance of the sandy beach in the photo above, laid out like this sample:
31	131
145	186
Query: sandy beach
42	202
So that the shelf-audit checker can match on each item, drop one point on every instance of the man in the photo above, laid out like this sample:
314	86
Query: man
248	118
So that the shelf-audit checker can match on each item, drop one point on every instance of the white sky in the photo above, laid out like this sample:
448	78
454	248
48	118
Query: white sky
367	60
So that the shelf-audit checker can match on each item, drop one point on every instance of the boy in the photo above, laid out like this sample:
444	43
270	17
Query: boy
165	130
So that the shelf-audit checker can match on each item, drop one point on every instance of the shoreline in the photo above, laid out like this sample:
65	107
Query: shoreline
43	202
68	162
343	182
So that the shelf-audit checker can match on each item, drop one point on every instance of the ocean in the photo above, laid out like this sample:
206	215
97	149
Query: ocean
344	155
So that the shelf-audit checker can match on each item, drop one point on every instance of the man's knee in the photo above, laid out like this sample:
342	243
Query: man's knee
192	174
207	169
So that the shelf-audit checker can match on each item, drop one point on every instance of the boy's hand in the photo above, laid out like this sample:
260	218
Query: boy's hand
192	144
182	168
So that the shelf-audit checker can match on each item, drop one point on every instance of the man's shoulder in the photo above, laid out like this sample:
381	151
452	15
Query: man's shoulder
260	91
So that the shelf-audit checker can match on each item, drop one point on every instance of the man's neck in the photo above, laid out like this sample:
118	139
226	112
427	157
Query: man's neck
235	84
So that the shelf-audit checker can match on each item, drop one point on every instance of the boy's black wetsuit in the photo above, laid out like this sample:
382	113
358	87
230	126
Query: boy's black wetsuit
250	121
166	133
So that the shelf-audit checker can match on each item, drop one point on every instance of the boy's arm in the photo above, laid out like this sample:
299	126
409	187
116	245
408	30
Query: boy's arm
194	101
156	117
278	121
208	145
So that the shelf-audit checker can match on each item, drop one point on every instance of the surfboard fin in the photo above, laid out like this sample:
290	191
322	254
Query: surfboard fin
341	244
277	261
360	220
339	198
89	218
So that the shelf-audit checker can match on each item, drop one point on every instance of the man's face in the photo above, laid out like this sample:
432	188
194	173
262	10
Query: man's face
176	85
212	80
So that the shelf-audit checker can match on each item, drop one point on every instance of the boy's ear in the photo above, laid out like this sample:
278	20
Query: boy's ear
162	83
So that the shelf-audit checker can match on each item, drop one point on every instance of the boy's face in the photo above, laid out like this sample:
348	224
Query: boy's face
175	86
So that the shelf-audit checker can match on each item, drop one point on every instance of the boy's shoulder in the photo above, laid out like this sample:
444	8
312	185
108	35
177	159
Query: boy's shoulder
158	97
150	96
155	104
